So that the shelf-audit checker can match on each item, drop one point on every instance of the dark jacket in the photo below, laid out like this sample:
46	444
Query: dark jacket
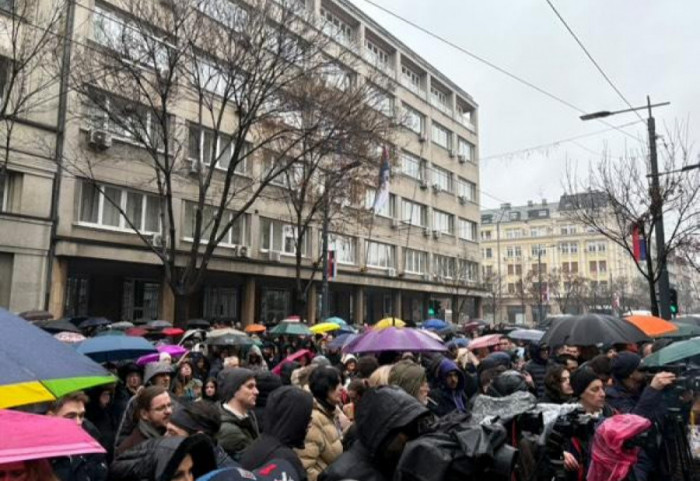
236	433
537	368
379	413
448	400
266	382
287	416
158	459
86	467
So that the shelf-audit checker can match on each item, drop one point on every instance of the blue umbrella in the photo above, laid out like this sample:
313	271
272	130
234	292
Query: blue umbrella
460	342
341	340
434	324
336	320
115	348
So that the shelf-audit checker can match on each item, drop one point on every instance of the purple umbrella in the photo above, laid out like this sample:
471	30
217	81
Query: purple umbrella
341	340
394	339
172	349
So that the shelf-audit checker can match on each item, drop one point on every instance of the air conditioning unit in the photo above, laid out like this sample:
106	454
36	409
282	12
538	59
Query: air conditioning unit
436	234
462	199
422	138
99	139
453	153
426	232
394	223
423	184
194	167
157	240
274	256
243	252
391	272
436	188
426	276
462	159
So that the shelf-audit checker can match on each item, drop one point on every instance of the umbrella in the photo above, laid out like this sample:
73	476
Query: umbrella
531	335
394	339
69	337
292	319
432	334
94	322
336	320
324	327
115	348
684	330
436	324
473	325
225	332
174	350
172	331
460	342
291	358
346	329
111	332
136	332
36	315
158	324
389	322
485	341
592	329
255	328
341	340
675	352
229	340
198	324
652	326
689	319
31	436
122	325
62	325
36	367
291	329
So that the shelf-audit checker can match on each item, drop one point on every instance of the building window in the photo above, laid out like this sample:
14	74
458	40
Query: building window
415	262
444	266
439	99
538	250
413	120
411	79
443	222
380	100
487	253
220	303
387	210
102	205
568	247
569	267
539	231
511	288
382	256
413	213
514	233
77	292
125	120
274	305
485	235
597	246
513	251
5	64
465	149
376	55
568	230
9	184
443	179
205	146
468	270
412	166
467	230
537	268
236	235
441	136
345	248
225	12
140	299
466	189
280	237
337	28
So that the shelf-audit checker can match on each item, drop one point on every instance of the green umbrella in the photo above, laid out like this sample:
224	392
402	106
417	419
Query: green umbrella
675	352
684	330
291	329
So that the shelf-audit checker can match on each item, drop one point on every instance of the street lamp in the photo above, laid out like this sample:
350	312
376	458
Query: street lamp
656	201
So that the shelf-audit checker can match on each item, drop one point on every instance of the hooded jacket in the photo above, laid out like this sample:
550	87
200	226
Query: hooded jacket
236	433
446	399
537	368
267	382
287	416
158	459
380	412
255	351
323	441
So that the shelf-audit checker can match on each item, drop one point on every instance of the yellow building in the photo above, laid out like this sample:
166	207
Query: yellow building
537	261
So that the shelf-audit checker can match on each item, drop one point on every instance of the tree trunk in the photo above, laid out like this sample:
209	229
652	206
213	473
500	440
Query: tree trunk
652	296
182	309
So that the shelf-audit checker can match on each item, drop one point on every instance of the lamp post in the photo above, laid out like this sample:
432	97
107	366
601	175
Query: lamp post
656	201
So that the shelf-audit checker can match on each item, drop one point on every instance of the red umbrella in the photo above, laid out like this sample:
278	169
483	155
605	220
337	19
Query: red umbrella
291	358
172	331
136	332
30	436
485	341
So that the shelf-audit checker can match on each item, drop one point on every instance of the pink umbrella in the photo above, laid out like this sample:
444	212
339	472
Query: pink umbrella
485	341
172	349
291	358
30	436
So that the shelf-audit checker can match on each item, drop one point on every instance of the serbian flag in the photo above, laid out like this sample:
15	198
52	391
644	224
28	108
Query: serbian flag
639	245
332	265
382	196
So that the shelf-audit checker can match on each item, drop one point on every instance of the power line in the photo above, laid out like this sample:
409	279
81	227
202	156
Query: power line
590	57
488	63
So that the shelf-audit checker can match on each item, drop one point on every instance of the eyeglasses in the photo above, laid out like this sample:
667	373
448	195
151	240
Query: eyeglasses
162	408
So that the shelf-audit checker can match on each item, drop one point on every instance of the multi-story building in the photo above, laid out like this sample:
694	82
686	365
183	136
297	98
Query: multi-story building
421	255
535	258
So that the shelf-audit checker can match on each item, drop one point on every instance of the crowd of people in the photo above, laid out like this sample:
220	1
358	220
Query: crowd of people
334	416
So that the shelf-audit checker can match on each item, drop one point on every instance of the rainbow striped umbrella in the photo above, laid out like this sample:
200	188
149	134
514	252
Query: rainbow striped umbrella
36	367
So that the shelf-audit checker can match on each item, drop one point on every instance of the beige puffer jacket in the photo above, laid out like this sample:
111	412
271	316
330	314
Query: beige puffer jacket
323	443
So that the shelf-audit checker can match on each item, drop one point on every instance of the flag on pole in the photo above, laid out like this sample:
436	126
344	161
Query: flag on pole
332	265
639	245
382	195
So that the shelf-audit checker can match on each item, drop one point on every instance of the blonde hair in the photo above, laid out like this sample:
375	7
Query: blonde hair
380	377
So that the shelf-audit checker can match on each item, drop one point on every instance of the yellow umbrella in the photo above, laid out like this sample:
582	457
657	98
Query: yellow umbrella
389	322
324	327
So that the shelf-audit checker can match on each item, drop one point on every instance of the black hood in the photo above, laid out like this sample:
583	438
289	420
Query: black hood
383	410
266	383
287	415
534	351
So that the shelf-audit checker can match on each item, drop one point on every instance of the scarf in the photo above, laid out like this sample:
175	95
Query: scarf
149	430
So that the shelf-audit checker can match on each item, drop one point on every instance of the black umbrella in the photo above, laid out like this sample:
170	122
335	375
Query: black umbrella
689	319
94	322
54	327
36	315
592	329
230	340
198	324
158	324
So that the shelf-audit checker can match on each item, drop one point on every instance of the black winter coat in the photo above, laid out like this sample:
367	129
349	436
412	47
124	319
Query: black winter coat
537	368
86	467
379	413
286	417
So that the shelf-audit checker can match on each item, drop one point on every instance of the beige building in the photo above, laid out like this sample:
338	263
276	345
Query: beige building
534	257
421	256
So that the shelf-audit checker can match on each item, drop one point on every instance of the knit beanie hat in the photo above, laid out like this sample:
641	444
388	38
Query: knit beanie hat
230	381
409	376
625	364
320	360
581	379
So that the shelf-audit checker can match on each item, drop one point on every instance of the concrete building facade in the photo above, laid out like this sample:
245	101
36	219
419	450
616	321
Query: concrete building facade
421	257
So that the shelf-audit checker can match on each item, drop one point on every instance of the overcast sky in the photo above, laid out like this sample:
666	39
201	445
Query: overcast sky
645	47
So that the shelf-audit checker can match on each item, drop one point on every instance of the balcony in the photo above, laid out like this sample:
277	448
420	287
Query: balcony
406	82
379	63
342	37
441	106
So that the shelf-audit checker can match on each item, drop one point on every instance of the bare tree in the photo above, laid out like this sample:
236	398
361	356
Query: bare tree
614	198
567	289
200	94
491	283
